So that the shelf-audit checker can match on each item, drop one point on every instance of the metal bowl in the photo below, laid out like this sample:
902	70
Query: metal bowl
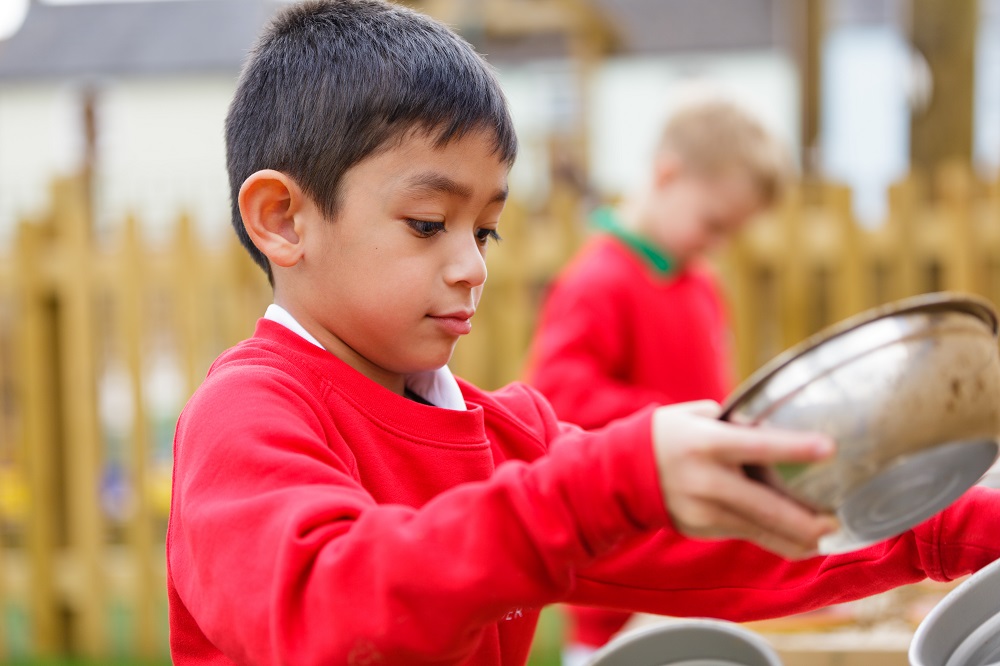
692	642
963	629
910	391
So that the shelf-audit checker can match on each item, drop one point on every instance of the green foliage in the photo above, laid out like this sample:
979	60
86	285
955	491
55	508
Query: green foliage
83	662
548	638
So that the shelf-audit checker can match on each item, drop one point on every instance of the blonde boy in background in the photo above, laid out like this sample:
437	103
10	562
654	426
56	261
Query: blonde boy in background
637	318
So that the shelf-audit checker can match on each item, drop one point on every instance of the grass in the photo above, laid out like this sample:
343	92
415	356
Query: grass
545	651
548	638
83	662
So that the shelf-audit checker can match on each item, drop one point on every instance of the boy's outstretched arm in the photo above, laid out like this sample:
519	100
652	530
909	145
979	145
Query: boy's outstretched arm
672	575
690	571
278	553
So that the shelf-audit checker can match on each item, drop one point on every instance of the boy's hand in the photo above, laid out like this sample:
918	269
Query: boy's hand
700	460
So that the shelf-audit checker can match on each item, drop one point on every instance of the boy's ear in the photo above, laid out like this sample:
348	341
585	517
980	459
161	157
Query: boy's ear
269	201
666	167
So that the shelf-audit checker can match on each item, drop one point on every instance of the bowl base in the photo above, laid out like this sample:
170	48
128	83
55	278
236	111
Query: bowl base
911	490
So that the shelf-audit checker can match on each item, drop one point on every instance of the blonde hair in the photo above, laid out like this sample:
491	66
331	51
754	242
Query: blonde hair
714	136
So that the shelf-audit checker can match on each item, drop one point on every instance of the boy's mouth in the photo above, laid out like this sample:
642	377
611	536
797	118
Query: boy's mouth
455	323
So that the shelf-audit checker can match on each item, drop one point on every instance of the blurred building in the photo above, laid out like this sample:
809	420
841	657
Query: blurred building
874	82
140	90
153	80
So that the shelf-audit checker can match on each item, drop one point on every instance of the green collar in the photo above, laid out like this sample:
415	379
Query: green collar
605	219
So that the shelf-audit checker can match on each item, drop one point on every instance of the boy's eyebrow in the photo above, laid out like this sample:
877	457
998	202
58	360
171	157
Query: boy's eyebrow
433	182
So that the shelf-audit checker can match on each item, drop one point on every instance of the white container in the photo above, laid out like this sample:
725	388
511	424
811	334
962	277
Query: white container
964	628
697	642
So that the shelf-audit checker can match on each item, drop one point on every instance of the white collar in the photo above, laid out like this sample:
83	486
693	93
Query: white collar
438	387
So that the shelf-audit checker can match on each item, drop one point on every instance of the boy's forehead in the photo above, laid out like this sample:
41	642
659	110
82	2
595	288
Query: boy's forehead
463	166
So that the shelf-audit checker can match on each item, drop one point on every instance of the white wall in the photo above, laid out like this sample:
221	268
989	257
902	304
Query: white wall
633	98
629	101
39	137
160	149
987	102
161	144
865	134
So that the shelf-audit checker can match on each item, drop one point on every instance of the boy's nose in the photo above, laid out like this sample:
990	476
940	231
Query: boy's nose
466	264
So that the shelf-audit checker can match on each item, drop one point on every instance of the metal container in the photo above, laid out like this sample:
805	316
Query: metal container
910	391
696	642
964	628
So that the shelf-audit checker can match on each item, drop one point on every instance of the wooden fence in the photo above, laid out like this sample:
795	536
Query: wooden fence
102	339
811	264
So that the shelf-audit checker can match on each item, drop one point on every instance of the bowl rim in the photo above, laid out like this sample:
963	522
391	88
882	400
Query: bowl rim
668	633
955	602
947	301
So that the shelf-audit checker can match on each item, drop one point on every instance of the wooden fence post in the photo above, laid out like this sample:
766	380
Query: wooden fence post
791	271
738	270
241	284
36	382
187	293
852	285
901	229
131	288
954	184
77	349
511	320
987	230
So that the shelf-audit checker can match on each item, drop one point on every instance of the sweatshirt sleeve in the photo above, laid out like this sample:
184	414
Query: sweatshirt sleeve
735	580
576	351
280	555
666	573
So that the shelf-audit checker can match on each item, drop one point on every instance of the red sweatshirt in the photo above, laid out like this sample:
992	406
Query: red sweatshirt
617	333
318	518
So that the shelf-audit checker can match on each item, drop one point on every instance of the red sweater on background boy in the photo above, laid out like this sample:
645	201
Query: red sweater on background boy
637	317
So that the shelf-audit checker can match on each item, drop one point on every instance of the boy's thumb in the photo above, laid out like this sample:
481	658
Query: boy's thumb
707	408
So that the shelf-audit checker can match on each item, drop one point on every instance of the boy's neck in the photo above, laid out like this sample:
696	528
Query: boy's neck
626	223
637	214
394	382
630	217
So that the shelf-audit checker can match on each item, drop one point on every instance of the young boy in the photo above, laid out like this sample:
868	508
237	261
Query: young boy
637	318
339	497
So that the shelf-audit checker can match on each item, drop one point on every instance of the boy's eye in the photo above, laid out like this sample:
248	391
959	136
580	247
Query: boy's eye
424	228
484	235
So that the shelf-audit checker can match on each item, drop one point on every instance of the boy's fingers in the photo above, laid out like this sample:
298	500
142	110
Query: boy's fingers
787	549
771	512
740	445
729	525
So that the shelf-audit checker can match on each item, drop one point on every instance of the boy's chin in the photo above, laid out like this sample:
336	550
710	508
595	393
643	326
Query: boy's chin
430	363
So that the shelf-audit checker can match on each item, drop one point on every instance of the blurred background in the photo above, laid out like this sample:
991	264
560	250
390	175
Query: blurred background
120	279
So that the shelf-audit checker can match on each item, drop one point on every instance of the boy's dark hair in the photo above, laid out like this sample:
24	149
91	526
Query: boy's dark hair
331	82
